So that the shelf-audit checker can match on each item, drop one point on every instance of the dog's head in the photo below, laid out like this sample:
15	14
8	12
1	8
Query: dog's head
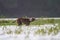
32	19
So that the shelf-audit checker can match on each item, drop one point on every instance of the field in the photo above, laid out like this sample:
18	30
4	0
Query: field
39	21
40	29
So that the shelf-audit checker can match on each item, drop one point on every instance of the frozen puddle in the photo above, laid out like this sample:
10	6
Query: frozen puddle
27	32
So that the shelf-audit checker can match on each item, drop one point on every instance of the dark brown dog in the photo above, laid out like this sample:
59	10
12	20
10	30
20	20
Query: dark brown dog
25	21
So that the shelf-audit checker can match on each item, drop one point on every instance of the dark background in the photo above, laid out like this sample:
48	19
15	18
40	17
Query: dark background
30	8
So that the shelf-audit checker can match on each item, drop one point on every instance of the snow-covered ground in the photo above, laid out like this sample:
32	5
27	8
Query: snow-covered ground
26	32
16	18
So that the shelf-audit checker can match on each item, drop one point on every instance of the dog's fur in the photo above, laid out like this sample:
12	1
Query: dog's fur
25	21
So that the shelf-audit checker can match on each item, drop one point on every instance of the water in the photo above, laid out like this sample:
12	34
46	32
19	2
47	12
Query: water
14	32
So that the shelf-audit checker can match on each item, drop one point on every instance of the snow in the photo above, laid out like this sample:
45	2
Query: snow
28	32
35	18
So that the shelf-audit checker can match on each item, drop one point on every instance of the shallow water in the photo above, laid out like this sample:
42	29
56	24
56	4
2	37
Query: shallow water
26	32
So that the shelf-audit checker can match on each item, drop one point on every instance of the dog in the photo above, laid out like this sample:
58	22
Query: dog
25	21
